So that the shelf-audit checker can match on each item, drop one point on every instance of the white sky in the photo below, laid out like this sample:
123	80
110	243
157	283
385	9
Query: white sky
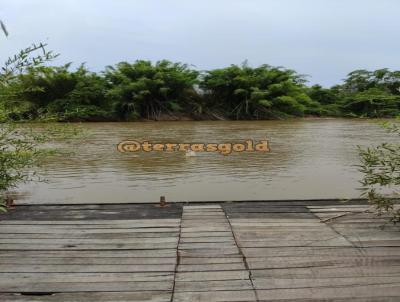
324	39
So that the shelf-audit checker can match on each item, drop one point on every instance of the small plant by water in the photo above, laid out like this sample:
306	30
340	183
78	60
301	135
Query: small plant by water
380	167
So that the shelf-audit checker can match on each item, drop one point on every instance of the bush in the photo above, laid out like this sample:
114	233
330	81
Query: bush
243	92
143	89
381	175
56	91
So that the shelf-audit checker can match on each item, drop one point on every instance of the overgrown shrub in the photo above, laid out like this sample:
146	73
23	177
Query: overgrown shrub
243	92
147	90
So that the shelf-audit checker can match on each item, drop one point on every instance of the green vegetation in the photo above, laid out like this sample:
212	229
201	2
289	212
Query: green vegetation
31	90
380	166
146	90
243	92
22	151
21	148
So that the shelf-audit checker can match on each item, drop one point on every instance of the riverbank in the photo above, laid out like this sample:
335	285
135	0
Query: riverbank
166	90
189	118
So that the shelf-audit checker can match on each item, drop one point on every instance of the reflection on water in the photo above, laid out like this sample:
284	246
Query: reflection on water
308	159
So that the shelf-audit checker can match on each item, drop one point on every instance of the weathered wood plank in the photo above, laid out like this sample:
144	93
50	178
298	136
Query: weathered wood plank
70	287
274	283
370	291
201	207
84	277
206	228
136	222
30	259
155	240
206	240
210	267
93	268
210	260
169	253
89	241
82	246
205	234
217	252
224	285
214	296
57	230
143	296
78	235
328	272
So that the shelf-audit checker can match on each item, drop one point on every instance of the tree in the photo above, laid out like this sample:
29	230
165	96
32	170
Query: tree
243	92
143	89
372	103
371	93
324	96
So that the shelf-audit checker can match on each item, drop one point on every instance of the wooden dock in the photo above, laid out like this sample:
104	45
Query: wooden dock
242	251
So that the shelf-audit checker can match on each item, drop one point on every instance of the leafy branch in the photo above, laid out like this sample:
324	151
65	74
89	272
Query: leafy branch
380	167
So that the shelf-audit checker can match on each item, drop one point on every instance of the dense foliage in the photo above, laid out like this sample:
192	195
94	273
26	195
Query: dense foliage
380	167
243	92
143	89
166	90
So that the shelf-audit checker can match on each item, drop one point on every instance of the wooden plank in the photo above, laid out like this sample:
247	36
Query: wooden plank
210	267
224	285
131	222
201	213
57	230
169	253
143	296
70	287
18	278
328	272
213	260
57	247
207	240
213	296
305	251
206	228
284	235
87	241
29	259
370	291
274	283
218	252
78	235
93	268
331	241
309	262
203	245
201	207
205	234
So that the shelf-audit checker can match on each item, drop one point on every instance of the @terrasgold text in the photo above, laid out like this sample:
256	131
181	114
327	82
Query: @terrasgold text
222	148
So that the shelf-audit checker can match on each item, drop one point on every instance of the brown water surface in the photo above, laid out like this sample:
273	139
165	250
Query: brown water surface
308	159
